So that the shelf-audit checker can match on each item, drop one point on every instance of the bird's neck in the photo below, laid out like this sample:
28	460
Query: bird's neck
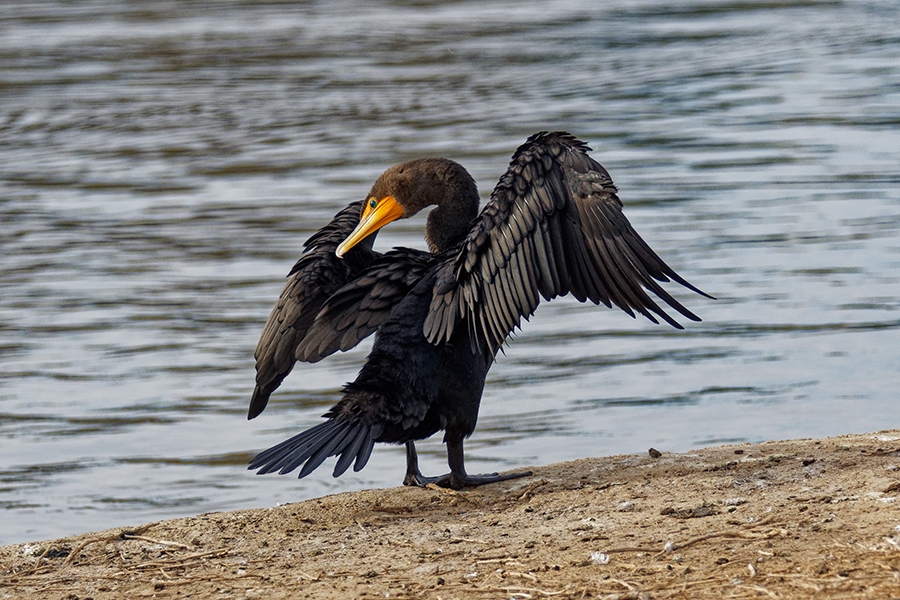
447	224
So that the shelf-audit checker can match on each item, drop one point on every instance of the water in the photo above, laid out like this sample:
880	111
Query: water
161	165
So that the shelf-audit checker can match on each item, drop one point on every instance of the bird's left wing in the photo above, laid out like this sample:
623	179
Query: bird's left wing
554	226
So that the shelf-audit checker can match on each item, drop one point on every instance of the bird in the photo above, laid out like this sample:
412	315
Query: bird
553	226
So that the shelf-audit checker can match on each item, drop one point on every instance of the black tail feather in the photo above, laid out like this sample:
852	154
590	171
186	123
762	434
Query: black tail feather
365	449
334	437
350	452
326	449
290	451
319	435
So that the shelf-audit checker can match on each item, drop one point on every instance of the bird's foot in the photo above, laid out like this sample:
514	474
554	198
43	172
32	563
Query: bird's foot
457	478
458	481
419	480
414	476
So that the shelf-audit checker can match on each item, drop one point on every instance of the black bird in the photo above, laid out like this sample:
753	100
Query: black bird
553	226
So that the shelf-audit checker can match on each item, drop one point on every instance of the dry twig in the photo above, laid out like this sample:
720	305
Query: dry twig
528	491
179	560
128	536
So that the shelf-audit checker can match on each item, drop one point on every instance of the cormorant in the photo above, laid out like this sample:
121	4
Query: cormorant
553	226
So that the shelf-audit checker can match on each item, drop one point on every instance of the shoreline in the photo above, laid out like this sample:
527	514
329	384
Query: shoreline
779	520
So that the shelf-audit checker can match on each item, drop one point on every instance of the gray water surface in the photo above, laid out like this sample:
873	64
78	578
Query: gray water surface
162	163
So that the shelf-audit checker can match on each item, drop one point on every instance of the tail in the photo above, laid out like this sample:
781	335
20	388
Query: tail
351	440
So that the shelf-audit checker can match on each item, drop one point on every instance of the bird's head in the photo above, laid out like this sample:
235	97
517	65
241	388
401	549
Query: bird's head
407	188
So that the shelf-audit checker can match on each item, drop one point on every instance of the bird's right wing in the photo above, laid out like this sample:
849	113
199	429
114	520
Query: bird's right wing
317	275
356	310
554	226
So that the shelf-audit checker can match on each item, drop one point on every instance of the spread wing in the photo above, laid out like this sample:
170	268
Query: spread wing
553	226
317	275
356	310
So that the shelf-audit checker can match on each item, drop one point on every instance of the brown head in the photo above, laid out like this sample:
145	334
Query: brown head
407	188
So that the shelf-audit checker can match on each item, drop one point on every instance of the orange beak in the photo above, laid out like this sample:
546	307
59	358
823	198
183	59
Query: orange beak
376	215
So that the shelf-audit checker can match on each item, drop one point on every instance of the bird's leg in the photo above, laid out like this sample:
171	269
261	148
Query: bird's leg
458	478
413	475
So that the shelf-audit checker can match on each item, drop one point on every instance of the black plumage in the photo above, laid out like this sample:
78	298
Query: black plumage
553	226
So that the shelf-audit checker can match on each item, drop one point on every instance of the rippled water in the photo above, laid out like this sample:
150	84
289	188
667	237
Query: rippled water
162	163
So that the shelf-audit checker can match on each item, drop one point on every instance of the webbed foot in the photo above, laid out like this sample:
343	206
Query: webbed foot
458	481
457	478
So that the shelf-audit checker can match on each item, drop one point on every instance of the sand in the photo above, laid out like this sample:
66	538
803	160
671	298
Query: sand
791	519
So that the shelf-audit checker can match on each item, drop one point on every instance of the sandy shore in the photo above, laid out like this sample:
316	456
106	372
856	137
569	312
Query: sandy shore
794	519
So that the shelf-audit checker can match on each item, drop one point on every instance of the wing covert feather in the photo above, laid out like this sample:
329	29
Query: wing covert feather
357	309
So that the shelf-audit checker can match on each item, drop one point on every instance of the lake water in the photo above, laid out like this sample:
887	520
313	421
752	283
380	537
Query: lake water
162	163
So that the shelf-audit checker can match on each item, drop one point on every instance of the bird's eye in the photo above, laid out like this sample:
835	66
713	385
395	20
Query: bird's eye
372	203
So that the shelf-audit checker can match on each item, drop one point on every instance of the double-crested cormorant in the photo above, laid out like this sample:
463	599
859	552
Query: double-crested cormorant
553	226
